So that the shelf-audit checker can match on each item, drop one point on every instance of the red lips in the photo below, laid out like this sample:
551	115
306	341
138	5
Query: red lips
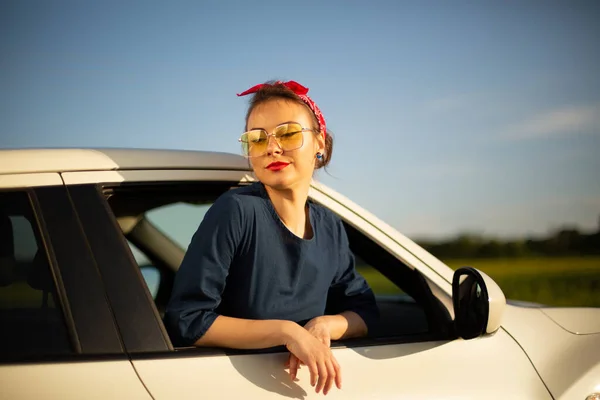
277	166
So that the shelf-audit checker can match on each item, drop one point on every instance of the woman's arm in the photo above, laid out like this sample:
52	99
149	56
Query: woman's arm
200	280
238	333
345	325
241	333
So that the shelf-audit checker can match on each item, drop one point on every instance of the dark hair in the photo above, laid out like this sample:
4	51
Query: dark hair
274	90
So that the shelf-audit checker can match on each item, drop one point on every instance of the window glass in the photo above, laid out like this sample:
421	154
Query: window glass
400	297
150	273
30	314
151	276
179	221
380	285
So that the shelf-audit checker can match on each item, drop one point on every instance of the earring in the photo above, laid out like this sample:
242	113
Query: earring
319	156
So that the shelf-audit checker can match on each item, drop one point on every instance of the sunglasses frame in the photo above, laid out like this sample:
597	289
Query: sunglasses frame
302	130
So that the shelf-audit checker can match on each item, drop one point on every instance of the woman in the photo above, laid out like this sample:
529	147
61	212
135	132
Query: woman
266	267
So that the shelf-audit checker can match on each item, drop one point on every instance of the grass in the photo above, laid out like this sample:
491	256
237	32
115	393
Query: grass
568	281
379	283
560	281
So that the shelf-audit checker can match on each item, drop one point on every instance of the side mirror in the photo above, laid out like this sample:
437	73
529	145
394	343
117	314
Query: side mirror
478	303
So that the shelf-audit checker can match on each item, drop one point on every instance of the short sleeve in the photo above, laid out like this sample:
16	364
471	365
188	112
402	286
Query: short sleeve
349	291
200	280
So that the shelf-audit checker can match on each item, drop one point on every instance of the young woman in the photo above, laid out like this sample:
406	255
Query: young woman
267	267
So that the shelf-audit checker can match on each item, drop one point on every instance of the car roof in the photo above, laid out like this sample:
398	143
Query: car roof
15	161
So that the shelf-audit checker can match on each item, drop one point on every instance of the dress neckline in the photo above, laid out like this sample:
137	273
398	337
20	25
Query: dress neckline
271	207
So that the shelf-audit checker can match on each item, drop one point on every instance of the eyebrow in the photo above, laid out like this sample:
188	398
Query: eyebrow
282	123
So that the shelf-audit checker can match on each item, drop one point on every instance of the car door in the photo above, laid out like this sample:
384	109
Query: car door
409	363
58	338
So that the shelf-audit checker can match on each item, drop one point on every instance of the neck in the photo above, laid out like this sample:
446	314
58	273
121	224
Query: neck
290	205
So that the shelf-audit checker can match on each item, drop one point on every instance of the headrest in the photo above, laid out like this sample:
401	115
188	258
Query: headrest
7	252
39	276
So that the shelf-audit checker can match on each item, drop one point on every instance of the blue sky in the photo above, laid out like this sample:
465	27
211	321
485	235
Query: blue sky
447	116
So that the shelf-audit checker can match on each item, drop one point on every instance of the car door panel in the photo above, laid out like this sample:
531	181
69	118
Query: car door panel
485	368
72	380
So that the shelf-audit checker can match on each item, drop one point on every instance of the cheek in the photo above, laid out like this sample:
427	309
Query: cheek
306	157
255	162
254	165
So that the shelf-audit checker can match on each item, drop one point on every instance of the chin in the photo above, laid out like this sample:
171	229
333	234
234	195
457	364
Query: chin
277	184
278	181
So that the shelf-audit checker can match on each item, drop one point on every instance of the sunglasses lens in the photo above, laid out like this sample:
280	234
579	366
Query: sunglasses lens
289	136
254	143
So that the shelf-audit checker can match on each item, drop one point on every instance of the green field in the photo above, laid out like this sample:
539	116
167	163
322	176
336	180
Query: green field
573	281
564	281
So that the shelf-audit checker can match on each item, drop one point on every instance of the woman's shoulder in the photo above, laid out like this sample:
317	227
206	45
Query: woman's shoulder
242	198
325	219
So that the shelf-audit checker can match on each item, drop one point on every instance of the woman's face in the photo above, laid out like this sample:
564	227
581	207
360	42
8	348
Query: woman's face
278	168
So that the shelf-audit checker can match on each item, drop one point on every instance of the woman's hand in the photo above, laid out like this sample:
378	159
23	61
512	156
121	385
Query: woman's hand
319	328
314	352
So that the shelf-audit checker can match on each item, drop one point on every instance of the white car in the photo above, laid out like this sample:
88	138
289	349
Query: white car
81	318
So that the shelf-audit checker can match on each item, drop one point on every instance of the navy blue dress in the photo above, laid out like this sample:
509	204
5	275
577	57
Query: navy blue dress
243	262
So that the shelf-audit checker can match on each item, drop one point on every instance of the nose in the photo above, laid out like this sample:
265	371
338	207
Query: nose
273	146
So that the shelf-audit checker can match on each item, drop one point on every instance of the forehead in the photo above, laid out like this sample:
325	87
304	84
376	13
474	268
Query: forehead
277	111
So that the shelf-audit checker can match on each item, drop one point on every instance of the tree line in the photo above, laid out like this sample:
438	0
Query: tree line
564	242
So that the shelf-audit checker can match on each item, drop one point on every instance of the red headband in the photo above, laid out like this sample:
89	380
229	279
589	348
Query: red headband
301	92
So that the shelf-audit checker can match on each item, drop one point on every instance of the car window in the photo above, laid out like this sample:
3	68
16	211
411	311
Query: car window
405	301
30	313
150	273
380	285
179	220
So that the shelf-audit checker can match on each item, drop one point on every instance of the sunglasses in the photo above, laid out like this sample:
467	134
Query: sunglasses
288	136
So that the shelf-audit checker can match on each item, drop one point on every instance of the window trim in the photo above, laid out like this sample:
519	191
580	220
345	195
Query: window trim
80	282
54	270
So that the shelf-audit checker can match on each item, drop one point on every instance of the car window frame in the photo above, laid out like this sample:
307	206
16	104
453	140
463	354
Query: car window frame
126	262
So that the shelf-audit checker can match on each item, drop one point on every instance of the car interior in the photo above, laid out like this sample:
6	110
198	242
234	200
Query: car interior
413	313
28	299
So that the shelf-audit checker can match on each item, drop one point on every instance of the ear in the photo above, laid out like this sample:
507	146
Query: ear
320	142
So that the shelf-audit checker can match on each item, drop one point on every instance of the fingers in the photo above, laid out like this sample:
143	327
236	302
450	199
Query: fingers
328	375
293	364
331	376
314	373
323	367
323	376
338	372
